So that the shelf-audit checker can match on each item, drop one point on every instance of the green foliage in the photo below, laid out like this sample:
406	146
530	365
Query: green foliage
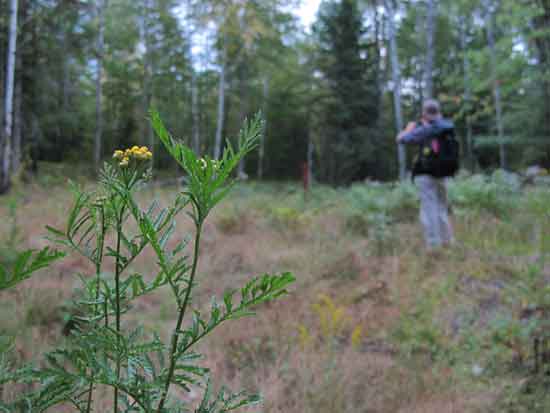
139	367
373	210
8	252
498	194
418	331
207	178
26	264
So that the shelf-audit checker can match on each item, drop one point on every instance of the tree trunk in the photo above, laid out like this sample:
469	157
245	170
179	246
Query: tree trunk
101	5
489	16
147	132
18	98
396	80
420	60
243	110
221	105
430	51
66	72
467	90
17	121
310	149
542	22
379	21
5	143
35	132
195	112
263	137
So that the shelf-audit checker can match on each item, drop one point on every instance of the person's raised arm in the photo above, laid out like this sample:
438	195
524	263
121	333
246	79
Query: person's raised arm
410	127
426	131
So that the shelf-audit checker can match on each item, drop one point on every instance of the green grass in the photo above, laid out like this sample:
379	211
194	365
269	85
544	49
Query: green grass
440	331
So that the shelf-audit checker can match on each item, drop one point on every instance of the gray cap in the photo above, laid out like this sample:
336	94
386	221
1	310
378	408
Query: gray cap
431	109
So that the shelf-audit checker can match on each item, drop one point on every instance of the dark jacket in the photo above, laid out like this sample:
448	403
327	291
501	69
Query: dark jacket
422	132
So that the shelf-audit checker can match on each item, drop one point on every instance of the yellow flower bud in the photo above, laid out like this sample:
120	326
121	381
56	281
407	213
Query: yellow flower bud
149	155
118	154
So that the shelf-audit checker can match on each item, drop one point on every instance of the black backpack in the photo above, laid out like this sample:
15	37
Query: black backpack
438	157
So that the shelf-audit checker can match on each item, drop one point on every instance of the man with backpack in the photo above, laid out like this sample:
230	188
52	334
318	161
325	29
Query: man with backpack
437	159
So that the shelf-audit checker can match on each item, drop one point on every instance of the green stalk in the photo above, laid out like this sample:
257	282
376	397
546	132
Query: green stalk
99	260
117	301
182	310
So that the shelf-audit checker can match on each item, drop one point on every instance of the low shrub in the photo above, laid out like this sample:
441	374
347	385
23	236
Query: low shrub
498	194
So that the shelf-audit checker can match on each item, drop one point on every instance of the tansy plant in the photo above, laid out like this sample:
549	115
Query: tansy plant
111	230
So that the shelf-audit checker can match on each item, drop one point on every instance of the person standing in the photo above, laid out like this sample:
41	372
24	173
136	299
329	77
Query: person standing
436	161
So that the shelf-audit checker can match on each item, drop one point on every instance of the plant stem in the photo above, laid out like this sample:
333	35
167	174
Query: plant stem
98	262
117	301
182	310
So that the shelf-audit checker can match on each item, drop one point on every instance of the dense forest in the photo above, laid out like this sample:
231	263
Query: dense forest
79	76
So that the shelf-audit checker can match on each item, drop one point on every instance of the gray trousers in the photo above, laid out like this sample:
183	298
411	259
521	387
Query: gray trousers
434	210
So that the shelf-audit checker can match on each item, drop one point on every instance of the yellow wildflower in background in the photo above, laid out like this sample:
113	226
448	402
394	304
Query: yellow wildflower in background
304	336
332	318
356	336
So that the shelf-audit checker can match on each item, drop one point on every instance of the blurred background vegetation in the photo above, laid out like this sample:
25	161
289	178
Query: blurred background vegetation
86	72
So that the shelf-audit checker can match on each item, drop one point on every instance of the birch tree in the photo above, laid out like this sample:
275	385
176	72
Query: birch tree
431	9
221	102
6	142
464	28
265	94
396	81
101	5
145	38
541	24
489	24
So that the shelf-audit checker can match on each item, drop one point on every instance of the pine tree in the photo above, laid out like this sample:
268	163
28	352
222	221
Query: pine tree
350	74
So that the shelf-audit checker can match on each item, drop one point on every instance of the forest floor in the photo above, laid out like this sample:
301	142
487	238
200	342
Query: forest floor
373	324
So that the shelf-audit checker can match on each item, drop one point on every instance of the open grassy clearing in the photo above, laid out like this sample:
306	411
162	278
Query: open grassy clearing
373	323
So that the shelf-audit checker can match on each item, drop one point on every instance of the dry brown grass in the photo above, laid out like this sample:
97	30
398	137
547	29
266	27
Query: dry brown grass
327	374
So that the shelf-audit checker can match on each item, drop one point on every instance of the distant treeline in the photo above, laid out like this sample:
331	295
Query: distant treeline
78	78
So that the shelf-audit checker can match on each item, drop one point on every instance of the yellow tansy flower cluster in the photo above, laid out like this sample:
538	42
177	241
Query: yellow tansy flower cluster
135	152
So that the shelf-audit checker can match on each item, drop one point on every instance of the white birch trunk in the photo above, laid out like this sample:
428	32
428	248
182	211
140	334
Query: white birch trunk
396	80
262	136
17	121
101	4
467	89
5	145
195	112
243	89
195	92
379	36
221	106
147	132
430	51
242	117
489	15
